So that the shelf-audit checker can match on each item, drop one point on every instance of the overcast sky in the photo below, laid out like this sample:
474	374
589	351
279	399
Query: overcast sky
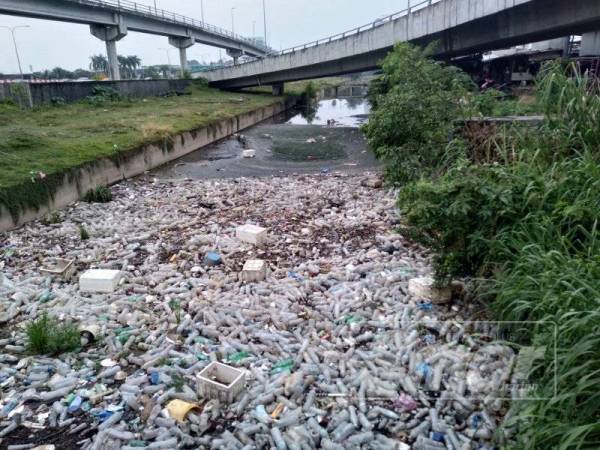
49	44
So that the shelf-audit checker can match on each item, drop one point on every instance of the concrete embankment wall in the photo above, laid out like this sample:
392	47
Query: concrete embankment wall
105	171
34	94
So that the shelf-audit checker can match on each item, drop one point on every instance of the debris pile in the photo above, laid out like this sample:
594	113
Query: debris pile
302	334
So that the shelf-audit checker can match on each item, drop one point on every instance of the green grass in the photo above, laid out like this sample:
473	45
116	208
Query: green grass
38	147
47	336
84	235
101	194
520	106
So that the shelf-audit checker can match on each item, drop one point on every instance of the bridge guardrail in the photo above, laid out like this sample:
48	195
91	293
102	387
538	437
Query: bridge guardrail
411	9
150	11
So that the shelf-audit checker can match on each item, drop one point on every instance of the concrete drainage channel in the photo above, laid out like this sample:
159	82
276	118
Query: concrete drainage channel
105	172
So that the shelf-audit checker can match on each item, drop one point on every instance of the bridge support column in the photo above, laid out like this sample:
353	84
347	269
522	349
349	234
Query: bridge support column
590	44
235	54
278	89
182	44
110	34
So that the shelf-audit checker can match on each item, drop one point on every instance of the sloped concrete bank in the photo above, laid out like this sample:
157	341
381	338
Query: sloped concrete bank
106	171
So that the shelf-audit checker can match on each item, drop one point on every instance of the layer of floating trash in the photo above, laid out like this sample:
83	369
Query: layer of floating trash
249	313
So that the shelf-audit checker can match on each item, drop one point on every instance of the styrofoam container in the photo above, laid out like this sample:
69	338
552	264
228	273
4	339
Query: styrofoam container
99	280
425	288
60	267
220	381
254	270
250	153
252	234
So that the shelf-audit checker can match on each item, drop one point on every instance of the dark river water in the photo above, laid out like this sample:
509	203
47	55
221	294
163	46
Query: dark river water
298	141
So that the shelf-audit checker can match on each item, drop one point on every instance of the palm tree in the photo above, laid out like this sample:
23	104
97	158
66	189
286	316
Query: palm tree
124	66
134	62
99	63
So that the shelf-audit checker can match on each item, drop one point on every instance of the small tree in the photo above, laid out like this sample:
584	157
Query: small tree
415	103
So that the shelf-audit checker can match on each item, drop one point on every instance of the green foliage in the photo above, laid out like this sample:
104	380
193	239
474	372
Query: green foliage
48	336
102	95
310	91
200	82
101	194
52	218
58	101
84	235
487	102
571	103
415	103
525	219
187	75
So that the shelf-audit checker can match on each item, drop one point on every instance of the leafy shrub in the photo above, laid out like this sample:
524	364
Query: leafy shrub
101	194
102	95
526	219
415	103
47	335
58	101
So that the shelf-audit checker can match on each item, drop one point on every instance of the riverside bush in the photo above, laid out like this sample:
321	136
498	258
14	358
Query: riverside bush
415	103
524	222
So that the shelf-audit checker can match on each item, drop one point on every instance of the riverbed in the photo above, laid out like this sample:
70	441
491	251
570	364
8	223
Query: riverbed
319	139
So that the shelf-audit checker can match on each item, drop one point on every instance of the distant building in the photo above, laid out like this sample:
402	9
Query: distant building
519	65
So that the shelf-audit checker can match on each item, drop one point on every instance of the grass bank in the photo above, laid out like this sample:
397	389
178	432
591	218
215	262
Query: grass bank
516	212
39	146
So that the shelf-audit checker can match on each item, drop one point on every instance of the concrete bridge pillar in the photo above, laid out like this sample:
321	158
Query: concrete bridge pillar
278	89
110	34
182	44
235	54
590	44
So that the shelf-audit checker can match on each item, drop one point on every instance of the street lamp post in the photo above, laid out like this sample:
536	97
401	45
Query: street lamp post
166	50
232	21
12	31
202	10
155	8
253	29
265	21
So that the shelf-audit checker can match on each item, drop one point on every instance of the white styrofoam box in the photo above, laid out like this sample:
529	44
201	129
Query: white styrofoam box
424	289
99	280
249	153
254	270
252	234
220	381
61	267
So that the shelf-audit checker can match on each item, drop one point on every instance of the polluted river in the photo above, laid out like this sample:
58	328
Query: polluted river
237	302
299	141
